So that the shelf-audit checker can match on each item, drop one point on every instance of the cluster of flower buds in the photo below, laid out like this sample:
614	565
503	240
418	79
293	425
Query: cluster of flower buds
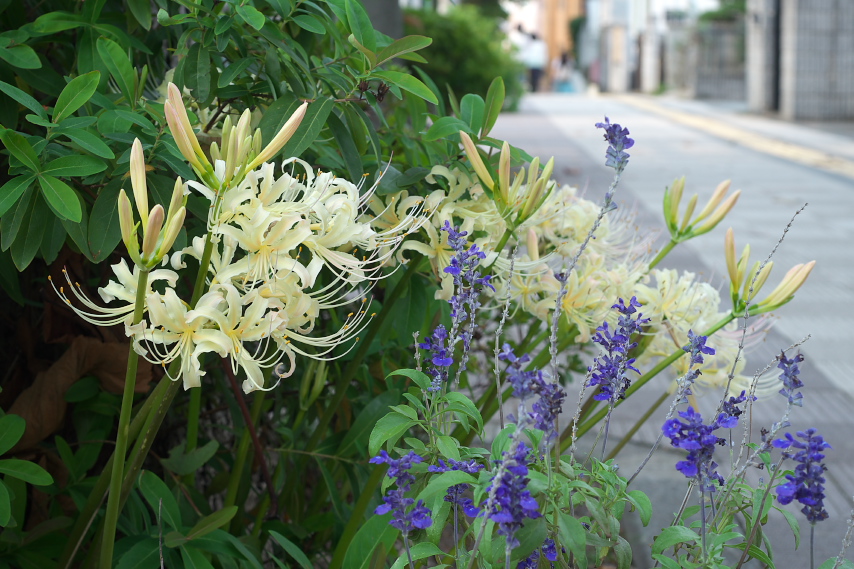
715	210
239	151
159	228
519	200
742	280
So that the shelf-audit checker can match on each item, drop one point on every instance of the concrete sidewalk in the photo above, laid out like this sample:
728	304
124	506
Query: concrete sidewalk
708	144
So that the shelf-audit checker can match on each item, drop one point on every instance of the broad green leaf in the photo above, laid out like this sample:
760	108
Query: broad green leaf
182	463
419	377
27	471
32	230
399	47
467	405
292	550
141	11
61	197
360	430
310	23
251	16
573	536
471	111
117	62
89	142
793	525
673	535
143	555
212	522
74	165
446	127
441	482
360	24
448	447
407	83
388	430
434	88
642	504
666	562
282	7
53	22
154	490
232	71
373	533
623	552
79	232
755	553
346	145
418	551
372	57
12	190
20	148
222	542
9	278
104	231
197	72
10	223
21	56
193	558
494	104
75	94
23	98
12	428
832	564
5	505
309	128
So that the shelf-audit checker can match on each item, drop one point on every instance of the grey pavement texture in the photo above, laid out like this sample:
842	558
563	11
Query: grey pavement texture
773	189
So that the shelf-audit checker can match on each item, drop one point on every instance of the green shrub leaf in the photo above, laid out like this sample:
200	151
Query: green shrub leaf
75	94
21	149
27	471
407	83
61	197
12	428
119	66
292	550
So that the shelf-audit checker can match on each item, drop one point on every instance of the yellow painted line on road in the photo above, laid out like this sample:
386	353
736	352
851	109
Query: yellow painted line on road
786	150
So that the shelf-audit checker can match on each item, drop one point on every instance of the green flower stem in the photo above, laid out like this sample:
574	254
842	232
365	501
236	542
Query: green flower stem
566	436
756	525
243	451
357	518
500	247
353	365
99	491
662	398
113	498
663	253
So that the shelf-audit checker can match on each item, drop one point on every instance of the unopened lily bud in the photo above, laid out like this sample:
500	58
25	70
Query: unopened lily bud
533	245
177	103
741	268
760	280
242	130
504	173
181	137
173	227
548	169
675	196
787	288
227	129
533	172
214	152
729	253
137	180
279	141
177	198
719	214
257	142
689	211
152	232
476	162
713	202
127	226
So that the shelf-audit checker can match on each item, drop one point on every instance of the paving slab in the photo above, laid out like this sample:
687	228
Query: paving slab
562	125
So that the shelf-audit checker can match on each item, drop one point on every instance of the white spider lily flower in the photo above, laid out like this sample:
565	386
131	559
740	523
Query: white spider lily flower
175	332
123	289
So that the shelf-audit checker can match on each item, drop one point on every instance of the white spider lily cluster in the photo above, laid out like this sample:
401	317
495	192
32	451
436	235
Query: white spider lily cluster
271	238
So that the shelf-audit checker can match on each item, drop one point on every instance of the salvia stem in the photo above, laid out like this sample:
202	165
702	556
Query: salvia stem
111	516
755	527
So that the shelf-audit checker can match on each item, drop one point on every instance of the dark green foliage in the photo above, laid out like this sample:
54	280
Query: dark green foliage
468	52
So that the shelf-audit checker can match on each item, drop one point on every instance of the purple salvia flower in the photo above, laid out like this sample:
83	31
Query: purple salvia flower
730	412
513	502
790	379
609	371
403	517
468	281
530	562
440	357
526	384
806	485
700	441
455	493
618	142
697	347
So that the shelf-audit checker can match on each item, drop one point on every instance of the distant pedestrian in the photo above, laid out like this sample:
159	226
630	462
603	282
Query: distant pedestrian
562	69
535	57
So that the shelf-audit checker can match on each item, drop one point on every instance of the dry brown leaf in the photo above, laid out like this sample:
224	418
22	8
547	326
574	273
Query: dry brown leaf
43	404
